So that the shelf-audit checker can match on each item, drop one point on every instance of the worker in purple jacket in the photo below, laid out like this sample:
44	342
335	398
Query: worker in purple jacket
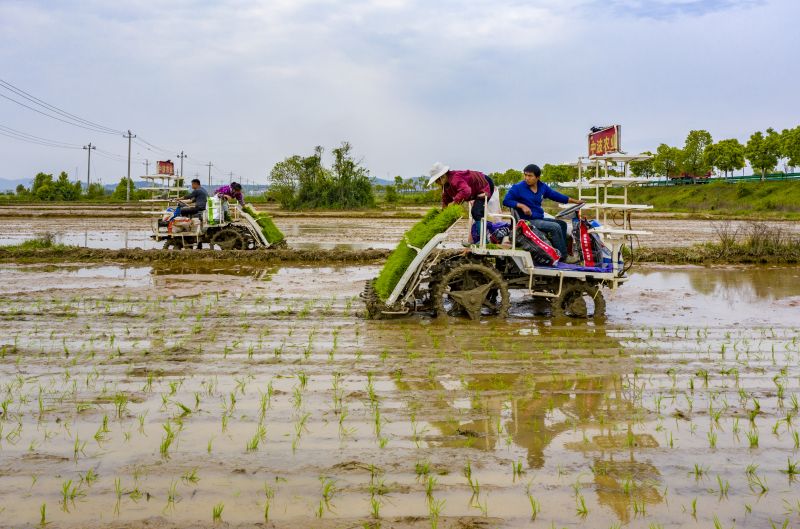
526	198
230	192
462	186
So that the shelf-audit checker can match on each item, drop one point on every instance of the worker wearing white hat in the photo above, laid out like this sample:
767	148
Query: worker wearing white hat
462	186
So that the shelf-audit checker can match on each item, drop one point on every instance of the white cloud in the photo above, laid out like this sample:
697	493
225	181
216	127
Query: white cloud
485	84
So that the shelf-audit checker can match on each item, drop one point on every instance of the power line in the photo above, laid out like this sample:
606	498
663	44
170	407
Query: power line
26	136
149	146
37	142
33	99
55	117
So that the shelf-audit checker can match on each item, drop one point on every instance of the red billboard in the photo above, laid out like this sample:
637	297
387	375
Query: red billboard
604	141
166	167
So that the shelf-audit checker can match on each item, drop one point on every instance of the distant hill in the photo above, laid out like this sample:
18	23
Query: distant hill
11	185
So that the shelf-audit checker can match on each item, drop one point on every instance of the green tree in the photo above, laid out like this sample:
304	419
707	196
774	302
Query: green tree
351	182
763	151
643	168
95	191
42	186
121	191
22	190
667	160
725	155
304	183
790	143
63	189
559	173
693	161
391	195
509	177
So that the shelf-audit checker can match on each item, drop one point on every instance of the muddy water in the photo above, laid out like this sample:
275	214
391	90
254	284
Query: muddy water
158	393
305	232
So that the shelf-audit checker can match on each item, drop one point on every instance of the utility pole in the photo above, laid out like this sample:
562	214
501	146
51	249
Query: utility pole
210	165
88	148
182	155
146	164
230	177
130	136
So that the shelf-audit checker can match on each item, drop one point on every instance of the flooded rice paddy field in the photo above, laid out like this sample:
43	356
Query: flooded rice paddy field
312	231
190	396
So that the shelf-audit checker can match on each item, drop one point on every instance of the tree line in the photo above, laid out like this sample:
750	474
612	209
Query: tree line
303	182
45	188
700	154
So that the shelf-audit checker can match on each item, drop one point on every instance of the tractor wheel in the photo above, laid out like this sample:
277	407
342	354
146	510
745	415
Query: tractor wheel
248	241
472	289
579	299
173	244
227	239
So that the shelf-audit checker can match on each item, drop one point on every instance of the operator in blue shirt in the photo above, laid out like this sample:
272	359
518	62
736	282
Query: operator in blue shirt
526	197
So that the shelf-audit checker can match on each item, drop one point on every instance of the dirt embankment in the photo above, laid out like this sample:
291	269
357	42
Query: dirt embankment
73	253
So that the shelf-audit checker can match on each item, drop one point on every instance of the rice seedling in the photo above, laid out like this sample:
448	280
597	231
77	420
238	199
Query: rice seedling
792	468
216	512
698	471
430	483
516	470
190	476
166	441
580	507
752	437
375	507
269	495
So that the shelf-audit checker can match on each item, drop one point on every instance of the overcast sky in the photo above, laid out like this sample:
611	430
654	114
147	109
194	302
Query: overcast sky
485	84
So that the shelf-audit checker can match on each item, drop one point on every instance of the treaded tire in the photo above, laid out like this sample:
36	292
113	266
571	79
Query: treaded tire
572	302
227	239
474	283
173	244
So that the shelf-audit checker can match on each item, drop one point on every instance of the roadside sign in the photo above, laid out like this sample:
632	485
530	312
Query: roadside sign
167	168
605	141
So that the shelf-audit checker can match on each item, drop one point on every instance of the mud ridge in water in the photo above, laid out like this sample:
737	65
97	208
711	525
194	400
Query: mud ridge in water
700	254
148	256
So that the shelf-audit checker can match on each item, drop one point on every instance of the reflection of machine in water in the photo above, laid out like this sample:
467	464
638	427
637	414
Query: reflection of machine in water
162	270
552	405
531	405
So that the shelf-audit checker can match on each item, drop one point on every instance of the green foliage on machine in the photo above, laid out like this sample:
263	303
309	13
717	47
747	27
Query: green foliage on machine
268	228
434	222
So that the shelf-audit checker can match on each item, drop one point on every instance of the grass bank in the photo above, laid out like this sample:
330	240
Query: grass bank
773	200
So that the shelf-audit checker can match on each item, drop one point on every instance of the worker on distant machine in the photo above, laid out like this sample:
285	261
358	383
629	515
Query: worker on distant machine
230	192
526	197
197	201
462	186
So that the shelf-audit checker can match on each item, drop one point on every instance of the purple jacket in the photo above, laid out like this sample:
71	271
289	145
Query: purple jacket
228	190
463	186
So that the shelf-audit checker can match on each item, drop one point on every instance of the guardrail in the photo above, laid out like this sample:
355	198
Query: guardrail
729	179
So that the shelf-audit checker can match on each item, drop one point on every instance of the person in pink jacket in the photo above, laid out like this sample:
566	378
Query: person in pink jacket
462	186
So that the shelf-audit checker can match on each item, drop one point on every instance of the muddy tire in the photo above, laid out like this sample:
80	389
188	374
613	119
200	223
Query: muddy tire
579	299
173	244
227	239
374	306
249	242
473	290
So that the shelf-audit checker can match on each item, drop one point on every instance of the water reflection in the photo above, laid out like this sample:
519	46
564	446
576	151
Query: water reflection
260	273
564	389
732	284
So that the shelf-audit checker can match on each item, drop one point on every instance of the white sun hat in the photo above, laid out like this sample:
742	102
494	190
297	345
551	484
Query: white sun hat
436	172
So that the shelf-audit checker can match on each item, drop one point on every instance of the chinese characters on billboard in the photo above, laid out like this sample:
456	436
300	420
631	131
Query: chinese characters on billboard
604	141
166	168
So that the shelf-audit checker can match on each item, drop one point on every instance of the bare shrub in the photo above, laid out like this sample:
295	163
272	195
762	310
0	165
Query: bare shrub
762	239
727	234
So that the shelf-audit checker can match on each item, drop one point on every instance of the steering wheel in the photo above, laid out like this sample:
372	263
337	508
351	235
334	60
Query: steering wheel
570	210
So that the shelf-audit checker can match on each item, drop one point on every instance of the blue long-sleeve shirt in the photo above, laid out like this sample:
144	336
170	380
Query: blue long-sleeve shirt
521	193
